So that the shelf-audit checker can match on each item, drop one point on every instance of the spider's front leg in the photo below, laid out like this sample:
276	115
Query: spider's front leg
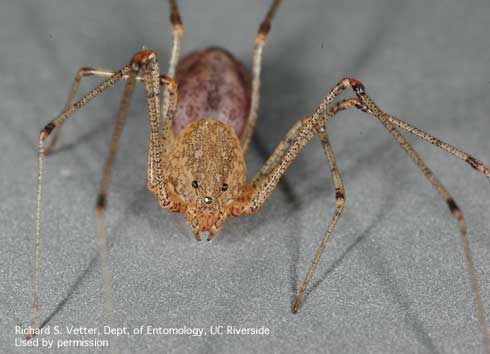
256	193
145	62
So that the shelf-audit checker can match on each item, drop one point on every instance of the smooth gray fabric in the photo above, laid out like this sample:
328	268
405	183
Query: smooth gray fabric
392	279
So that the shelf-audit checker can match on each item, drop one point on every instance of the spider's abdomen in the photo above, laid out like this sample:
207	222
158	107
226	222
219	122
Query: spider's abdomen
212	84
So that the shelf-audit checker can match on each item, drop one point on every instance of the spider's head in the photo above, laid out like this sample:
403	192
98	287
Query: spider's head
206	170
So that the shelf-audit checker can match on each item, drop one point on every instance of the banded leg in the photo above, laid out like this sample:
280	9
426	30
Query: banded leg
339	201
260	40
44	133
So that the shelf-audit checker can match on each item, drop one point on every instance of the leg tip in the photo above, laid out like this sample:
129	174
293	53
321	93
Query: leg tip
296	305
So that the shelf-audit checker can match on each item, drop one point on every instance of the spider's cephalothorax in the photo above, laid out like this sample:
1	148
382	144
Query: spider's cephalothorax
206	170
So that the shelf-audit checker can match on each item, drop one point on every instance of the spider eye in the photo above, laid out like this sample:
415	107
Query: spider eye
195	184
224	187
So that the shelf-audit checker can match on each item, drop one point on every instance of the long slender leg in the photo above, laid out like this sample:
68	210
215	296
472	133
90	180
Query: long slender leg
150	71
148	62
177	34
44	133
374	110
260	40
279	151
339	200
475	163
253	197
82	72
101	203
255	194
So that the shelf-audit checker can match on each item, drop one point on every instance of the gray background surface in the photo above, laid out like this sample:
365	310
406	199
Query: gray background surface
393	277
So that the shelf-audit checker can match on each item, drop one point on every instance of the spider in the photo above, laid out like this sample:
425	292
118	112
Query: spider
202	114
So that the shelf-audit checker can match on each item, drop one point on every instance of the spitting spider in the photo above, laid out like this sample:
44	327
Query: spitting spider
201	123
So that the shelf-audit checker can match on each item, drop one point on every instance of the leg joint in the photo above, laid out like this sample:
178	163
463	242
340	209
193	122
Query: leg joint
339	199
143	57
101	202
85	71
47	129
356	85
169	82
455	210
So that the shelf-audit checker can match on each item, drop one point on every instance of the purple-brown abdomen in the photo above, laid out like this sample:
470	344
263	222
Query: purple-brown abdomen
213	84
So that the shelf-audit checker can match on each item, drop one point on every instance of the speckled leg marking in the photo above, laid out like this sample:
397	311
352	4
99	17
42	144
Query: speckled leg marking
255	194
260	40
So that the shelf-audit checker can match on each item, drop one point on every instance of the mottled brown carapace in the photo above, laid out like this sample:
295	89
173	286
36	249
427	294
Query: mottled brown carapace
201	124
206	169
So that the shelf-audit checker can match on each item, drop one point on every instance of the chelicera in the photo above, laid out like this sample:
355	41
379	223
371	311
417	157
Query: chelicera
202	114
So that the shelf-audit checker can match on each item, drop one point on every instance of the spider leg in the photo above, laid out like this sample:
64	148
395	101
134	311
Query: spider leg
339	201
254	195
279	151
159	137
260	40
44	133
177	34
472	161
369	106
147	61
81	73
101	201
